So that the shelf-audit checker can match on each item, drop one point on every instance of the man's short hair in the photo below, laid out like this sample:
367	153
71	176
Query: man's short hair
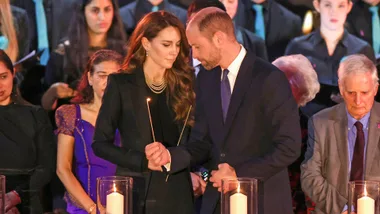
357	64
301	75
213	20
198	5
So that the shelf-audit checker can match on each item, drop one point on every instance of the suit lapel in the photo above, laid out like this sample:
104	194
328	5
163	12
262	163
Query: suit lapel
242	84
211	93
373	136
340	130
138	97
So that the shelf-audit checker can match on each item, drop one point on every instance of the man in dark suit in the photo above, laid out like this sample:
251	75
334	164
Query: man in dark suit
343	143
270	21
363	21
57	14
246	119
133	12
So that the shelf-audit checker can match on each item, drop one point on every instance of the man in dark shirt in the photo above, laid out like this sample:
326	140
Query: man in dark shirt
133	12
363	21
270	21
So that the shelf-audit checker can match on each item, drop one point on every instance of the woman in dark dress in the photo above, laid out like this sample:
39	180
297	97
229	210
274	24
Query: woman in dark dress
27	148
156	67
96	24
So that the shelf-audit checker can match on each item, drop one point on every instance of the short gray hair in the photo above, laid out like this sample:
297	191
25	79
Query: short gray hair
301	75
357	64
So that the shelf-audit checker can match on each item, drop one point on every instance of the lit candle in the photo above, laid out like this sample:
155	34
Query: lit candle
115	202
307	26
238	203
366	205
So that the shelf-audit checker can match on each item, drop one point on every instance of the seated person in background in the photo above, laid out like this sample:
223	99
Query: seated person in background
77	166
301	75
133	12
304	84
67	63
270	21
363	21
343	141
27	149
326	47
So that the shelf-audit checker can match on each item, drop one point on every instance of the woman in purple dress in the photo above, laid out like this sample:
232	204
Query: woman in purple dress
77	166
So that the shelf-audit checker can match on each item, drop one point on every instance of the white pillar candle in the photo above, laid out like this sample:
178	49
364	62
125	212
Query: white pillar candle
238	203
115	202
366	205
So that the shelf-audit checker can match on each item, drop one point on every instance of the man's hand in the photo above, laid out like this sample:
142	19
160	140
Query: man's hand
199	185
62	90
157	154
225	171
11	200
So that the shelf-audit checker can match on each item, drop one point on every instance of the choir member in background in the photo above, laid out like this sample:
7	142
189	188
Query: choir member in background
326	48
150	100
77	165
27	148
133	12
363	21
270	21
95	25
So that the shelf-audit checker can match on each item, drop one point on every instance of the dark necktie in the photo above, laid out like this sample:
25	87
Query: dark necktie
357	164
225	92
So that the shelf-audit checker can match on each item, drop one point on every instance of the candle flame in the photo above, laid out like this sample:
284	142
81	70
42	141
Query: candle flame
307	26
365	191
148	99
114	187
238	189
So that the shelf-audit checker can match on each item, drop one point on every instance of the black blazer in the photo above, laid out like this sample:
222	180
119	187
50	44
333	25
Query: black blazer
124	108
281	25
260	138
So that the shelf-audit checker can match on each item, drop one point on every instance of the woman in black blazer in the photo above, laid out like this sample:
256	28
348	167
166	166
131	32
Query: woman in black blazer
156	67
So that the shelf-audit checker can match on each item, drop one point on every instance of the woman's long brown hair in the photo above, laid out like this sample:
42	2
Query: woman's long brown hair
180	77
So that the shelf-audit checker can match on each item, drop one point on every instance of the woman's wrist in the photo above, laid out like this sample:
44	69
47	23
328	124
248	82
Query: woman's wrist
91	208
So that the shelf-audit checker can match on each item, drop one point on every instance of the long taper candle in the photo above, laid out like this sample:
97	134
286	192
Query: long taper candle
183	129
150	119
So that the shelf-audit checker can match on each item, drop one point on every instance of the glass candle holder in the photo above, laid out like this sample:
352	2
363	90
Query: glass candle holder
239	196
2	194
114	195
363	197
